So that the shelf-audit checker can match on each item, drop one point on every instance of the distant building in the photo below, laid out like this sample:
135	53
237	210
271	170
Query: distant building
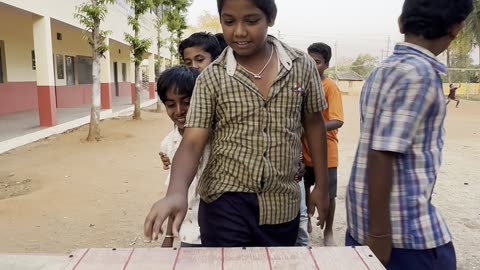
349	82
46	63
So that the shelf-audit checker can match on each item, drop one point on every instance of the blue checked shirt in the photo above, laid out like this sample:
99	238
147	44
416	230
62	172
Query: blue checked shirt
402	110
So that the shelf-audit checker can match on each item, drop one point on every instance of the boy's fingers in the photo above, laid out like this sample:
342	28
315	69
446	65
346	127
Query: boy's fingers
147	228
157	228
177	222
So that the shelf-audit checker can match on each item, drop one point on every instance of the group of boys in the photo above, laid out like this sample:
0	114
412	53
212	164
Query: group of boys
260	106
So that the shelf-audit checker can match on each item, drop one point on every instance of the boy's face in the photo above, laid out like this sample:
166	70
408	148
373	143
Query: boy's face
320	62
244	26
177	107
196	57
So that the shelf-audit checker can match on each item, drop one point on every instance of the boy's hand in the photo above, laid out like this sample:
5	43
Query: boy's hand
381	247
165	160
173	206
319	199
301	171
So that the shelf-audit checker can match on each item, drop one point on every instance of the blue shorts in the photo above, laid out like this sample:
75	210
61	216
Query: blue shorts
439	258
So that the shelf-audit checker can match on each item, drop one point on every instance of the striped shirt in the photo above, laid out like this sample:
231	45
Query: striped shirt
402	110
256	141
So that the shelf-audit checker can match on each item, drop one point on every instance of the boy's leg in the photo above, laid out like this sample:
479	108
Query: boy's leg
458	102
440	258
302	238
228	221
332	191
309	181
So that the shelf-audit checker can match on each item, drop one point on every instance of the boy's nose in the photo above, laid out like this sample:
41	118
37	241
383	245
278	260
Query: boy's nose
240	30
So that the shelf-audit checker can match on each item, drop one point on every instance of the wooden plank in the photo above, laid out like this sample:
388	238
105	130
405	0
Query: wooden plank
245	259
366	254
105	259
33	262
199	259
338	258
152	259
291	258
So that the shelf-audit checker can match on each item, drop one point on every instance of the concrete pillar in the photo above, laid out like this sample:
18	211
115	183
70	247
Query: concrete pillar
106	80
42	39
132	77
151	76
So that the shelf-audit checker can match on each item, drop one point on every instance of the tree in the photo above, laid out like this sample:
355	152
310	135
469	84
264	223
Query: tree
207	22
364	64
176	23
159	23
138	46
91	14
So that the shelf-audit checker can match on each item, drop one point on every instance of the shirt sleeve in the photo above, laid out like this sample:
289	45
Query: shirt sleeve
334	101
202	105
314	100
403	108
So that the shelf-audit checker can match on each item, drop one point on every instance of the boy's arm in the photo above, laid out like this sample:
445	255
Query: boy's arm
316	133
335	106
380	174
186	160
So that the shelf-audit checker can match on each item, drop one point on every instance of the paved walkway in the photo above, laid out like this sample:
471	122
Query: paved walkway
21	125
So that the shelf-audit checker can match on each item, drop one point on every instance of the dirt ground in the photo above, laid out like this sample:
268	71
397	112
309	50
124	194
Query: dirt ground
61	193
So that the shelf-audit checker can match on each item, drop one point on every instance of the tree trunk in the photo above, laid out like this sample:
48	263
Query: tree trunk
448	66
159	58
94	128
138	89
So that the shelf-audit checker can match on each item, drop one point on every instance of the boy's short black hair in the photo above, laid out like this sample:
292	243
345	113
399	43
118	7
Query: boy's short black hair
322	49
180	79
433	19
267	6
207	41
221	41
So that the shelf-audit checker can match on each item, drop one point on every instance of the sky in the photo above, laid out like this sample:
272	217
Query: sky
355	26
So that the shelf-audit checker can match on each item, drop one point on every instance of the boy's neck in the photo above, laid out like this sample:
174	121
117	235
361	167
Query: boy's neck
257	59
431	45
322	76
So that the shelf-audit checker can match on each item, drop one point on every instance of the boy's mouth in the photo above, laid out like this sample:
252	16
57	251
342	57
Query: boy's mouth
181	120
242	43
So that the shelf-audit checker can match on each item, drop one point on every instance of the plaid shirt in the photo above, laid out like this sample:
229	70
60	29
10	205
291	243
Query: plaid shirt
256	141
402	110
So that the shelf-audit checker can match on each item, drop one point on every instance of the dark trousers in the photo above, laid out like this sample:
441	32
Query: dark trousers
440	258
233	221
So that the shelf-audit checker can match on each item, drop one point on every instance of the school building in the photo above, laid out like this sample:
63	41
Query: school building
46	62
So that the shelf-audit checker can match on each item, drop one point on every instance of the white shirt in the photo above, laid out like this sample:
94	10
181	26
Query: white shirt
190	230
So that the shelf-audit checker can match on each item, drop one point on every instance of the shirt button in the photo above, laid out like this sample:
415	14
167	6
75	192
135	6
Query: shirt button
265	130
265	154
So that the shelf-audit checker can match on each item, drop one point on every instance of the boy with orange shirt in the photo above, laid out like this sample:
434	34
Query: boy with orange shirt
333	115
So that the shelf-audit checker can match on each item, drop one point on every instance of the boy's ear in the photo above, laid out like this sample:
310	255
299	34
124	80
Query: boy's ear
400	25
455	29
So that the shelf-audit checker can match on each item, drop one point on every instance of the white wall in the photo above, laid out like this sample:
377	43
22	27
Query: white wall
17	34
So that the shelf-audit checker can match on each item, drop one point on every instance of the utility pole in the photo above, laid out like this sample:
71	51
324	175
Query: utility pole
388	47
336	63
278	34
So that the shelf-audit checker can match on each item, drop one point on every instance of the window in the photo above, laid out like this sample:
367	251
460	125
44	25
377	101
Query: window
70	68
60	67
3	75
34	63
84	69
124	72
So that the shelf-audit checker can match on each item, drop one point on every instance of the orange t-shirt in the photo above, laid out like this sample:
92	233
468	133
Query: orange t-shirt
333	112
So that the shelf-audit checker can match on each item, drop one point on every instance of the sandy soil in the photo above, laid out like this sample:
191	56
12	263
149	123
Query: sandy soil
61	194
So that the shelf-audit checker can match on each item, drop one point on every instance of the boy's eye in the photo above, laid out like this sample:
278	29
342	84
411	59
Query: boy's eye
252	21
170	105
228	22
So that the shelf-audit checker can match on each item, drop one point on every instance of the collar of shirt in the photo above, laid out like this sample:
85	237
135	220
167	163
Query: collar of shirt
286	55
409	48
